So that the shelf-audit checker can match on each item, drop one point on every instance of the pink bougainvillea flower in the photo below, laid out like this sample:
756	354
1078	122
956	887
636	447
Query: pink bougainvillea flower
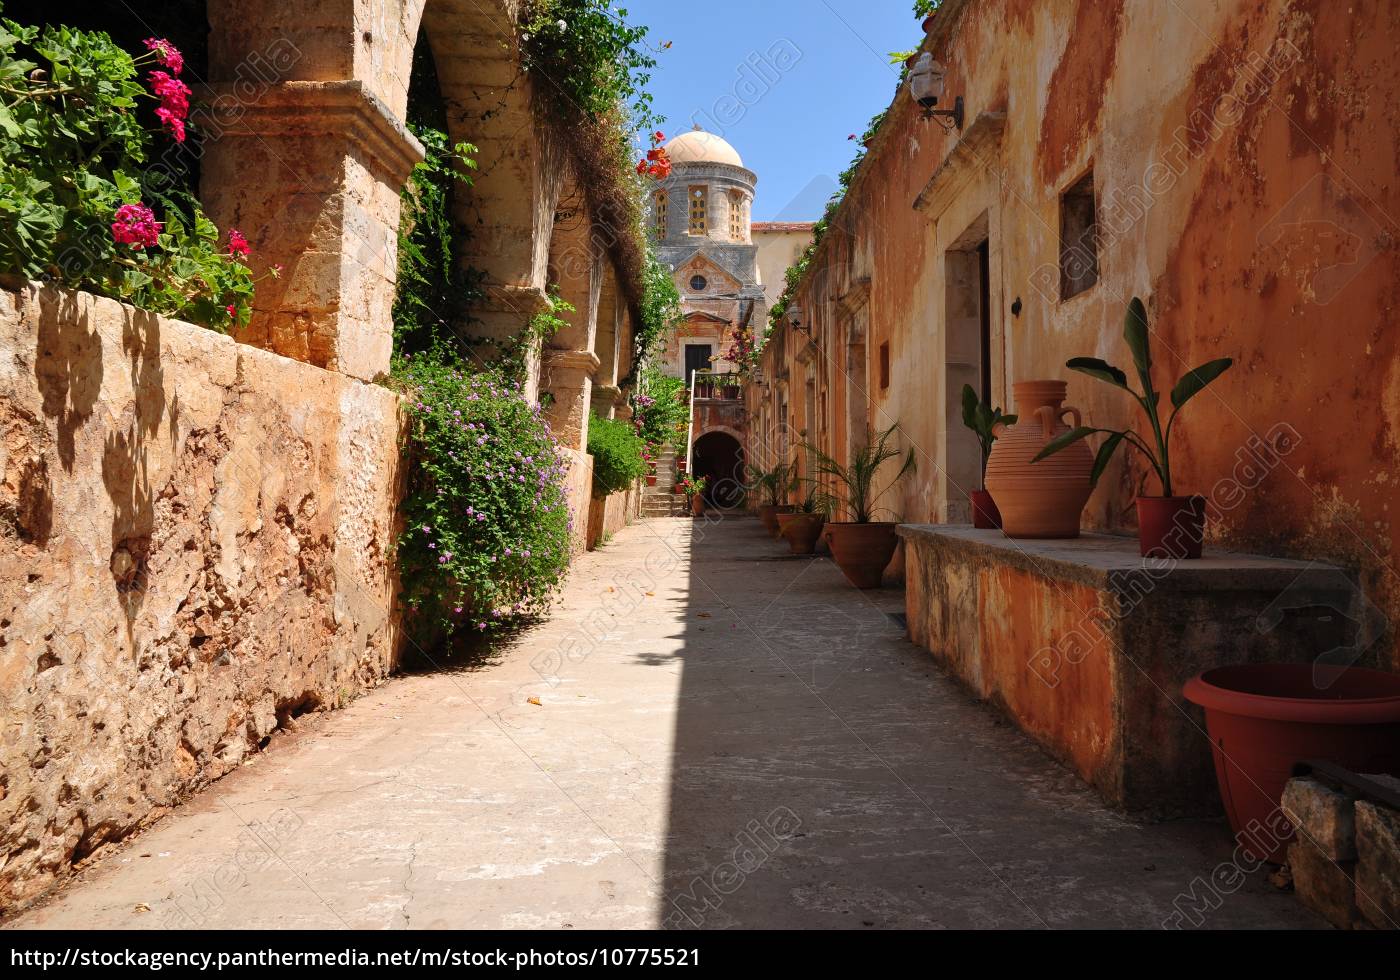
237	244
232	311
135	224
166	53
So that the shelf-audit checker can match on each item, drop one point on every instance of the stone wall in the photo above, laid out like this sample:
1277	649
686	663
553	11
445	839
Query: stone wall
195	544
610	514
1243	186
1345	861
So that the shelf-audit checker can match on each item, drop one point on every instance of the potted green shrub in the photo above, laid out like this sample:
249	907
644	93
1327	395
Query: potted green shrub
1168	526
773	486
803	528
862	546
983	421
694	490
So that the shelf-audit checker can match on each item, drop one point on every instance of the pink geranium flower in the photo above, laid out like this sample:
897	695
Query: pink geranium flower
237	244
166	53
135	224
174	98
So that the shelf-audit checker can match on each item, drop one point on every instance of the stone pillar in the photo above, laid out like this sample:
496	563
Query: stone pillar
308	162
568	378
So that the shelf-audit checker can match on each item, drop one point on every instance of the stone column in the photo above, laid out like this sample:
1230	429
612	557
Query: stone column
570	363
310	172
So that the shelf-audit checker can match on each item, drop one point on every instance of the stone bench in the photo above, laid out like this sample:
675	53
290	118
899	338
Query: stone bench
1086	646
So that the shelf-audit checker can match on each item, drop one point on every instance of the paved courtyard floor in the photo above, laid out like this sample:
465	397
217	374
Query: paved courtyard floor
706	733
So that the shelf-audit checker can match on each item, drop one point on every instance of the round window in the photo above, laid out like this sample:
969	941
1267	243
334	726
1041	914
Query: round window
698	283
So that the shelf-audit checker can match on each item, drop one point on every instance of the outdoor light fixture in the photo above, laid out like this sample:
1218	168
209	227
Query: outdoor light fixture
794	315
926	83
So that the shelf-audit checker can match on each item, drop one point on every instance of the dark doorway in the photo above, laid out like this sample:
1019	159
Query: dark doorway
718	457
697	358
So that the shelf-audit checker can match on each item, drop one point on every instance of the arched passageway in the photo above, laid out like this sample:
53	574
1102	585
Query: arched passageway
719	457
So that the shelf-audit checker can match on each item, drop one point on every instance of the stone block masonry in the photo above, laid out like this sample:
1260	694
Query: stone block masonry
195	539
1086	646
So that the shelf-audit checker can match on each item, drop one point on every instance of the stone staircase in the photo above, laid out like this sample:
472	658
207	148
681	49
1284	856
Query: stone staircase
661	500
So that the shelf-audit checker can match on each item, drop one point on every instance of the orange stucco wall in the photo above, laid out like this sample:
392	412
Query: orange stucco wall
1244	158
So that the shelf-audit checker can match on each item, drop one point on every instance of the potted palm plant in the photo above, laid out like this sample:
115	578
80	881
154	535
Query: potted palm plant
803	527
1168	526
983	421
773	486
862	546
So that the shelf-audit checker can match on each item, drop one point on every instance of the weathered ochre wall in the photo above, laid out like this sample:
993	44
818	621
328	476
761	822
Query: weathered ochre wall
1243	156
195	547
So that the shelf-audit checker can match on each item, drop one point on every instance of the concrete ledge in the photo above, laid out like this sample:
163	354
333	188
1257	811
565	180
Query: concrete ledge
1086	646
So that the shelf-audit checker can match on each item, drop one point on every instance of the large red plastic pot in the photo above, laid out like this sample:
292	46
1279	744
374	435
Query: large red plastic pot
1265	718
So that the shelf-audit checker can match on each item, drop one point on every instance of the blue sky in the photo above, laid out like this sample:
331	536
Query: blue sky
813	72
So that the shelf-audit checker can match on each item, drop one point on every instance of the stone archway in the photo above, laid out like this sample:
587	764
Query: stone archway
719	457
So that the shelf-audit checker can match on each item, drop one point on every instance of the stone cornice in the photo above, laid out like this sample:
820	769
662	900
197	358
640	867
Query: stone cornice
855	298
526	300
344	109
964	161
577	360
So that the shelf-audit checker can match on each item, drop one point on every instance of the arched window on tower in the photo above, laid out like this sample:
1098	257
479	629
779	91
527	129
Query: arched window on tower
699	210
660	207
736	216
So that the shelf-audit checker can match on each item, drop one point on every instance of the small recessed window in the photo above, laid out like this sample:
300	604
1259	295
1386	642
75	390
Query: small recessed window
661	208
884	365
1079	238
699	211
698	283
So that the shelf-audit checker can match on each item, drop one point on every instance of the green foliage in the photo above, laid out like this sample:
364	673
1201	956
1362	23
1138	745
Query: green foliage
660	409
660	305
774	484
486	518
592	58
693	487
922	8
983	420
817	500
433	289
1137	336
617	455
858	479
72	151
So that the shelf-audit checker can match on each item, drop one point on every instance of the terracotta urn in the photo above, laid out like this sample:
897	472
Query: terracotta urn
802	532
781	509
862	551
1044	499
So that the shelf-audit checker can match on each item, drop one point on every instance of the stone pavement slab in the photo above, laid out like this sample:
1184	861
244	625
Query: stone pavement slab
725	737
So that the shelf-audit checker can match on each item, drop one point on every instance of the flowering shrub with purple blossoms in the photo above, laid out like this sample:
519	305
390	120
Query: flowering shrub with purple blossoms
486	517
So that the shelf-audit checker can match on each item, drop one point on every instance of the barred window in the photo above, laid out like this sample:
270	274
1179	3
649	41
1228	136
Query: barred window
660	208
736	216
699	211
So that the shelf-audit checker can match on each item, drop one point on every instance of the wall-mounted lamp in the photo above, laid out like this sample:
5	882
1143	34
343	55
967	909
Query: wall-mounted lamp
794	316
926	84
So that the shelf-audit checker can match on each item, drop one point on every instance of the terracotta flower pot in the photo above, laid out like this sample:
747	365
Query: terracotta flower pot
985	515
1045	499
1265	718
1171	527
928	22
679	488
651	479
802	532
680	466
784	518
697	505
861	551
778	512
768	516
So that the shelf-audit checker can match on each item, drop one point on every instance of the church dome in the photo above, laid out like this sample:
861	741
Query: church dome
699	146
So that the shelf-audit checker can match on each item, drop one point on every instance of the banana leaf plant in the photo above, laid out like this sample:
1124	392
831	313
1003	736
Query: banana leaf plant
983	421
1158	452
858	479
